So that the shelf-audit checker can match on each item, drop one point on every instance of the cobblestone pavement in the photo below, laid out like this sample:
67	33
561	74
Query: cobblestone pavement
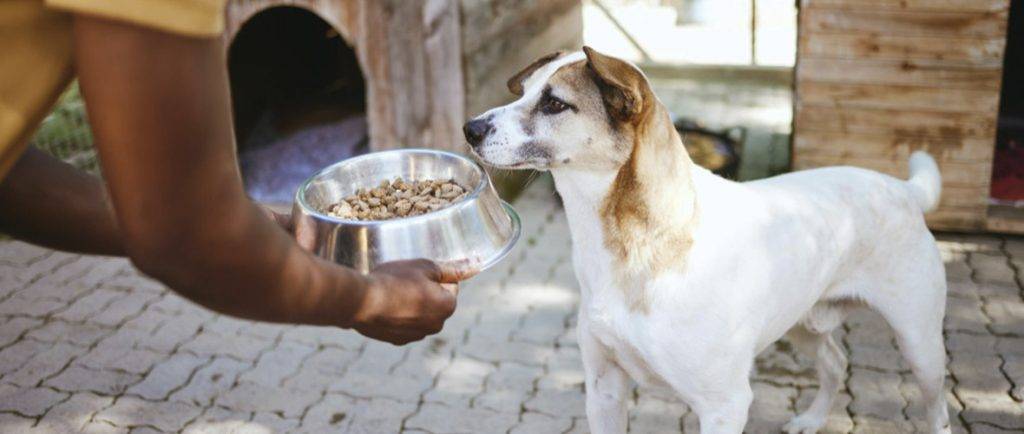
87	344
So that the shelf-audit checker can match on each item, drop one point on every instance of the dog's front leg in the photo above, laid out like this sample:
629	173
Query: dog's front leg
607	386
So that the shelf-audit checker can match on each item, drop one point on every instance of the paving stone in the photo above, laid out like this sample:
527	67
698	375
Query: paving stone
258	398
460	382
275	423
339	413
1007	316
502	400
211	380
218	420
129	411
957	342
519	352
512	375
121	308
173	333
18	354
15	424
324	336
965	315
122	358
874	425
36	308
382	385
321	369
878	358
438	418
277	364
44	365
558	403
83	335
876	394
537	423
105	382
30	402
13	329
89	305
75	414
17	253
167	376
1013	367
653	415
238	347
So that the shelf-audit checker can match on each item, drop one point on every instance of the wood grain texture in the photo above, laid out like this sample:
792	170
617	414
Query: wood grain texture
899	97
951	51
910	73
912	5
894	123
970	175
901	23
839	146
411	57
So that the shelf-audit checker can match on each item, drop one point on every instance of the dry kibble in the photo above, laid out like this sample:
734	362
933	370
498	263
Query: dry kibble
398	198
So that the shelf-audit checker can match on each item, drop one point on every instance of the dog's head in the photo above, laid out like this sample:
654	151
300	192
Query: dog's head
579	110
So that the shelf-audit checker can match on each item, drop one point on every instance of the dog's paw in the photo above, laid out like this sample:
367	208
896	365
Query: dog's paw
804	424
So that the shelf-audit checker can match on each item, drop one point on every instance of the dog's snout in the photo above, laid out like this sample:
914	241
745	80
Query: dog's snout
476	130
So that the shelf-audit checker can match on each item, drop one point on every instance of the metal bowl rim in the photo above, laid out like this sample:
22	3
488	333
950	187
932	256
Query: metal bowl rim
517	231
484	180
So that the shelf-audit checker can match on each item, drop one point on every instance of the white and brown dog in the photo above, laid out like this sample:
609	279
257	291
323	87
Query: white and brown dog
686	276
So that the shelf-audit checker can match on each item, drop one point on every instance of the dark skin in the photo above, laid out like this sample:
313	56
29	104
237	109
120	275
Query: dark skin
174	202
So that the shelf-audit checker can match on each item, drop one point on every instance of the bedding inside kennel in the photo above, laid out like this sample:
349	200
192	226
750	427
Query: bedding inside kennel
299	100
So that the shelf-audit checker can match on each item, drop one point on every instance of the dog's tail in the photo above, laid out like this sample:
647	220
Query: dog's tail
925	180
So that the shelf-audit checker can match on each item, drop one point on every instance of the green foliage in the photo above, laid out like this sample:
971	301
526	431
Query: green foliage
65	132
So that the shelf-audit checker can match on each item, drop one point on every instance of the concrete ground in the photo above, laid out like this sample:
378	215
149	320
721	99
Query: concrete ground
89	345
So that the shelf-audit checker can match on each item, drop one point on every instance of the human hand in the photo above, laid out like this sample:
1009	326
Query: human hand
406	301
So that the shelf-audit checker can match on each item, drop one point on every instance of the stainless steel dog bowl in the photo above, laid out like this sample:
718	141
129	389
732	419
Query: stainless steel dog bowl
472	234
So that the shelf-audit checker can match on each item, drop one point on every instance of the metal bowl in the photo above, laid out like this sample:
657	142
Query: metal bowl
471	234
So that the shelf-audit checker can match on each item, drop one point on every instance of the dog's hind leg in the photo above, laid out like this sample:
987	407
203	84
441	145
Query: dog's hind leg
814	337
912	299
918	327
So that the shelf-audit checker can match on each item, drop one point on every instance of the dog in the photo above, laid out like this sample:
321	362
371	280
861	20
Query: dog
686	276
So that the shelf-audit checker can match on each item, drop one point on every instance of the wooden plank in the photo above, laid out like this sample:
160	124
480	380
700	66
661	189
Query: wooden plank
909	73
970	219
1005	219
860	146
958	51
896	123
912	5
967	175
937	24
883	96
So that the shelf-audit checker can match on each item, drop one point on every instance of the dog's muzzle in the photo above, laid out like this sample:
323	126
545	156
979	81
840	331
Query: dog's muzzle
476	131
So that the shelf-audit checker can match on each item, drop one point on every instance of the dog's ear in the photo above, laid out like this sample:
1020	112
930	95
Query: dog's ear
620	83
515	84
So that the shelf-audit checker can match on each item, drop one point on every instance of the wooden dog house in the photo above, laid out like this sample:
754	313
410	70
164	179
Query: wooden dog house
416	69
877	79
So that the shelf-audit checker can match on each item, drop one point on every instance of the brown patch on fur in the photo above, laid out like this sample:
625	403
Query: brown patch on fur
515	84
644	236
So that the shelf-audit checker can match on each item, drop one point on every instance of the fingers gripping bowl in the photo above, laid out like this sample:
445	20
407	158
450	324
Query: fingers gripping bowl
469	235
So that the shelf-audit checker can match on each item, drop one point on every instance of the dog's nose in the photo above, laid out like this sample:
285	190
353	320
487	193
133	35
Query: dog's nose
476	130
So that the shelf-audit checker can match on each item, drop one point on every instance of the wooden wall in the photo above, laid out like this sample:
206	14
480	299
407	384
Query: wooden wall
876	79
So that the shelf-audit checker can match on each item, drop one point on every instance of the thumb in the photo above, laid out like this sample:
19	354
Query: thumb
455	271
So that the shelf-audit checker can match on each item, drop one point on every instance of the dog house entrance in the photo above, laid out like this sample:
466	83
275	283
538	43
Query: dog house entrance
1008	164
299	100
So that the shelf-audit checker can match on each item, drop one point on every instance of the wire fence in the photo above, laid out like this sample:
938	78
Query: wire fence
65	133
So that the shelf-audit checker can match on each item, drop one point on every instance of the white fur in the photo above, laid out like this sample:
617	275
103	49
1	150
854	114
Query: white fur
790	253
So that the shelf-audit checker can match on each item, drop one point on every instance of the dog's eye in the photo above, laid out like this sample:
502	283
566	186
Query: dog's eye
551	105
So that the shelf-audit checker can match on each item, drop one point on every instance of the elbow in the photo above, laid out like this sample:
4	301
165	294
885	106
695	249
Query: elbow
174	260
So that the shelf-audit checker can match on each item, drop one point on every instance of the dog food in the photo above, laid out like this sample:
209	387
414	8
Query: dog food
398	199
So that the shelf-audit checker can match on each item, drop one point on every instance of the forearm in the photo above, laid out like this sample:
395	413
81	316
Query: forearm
50	203
251	268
